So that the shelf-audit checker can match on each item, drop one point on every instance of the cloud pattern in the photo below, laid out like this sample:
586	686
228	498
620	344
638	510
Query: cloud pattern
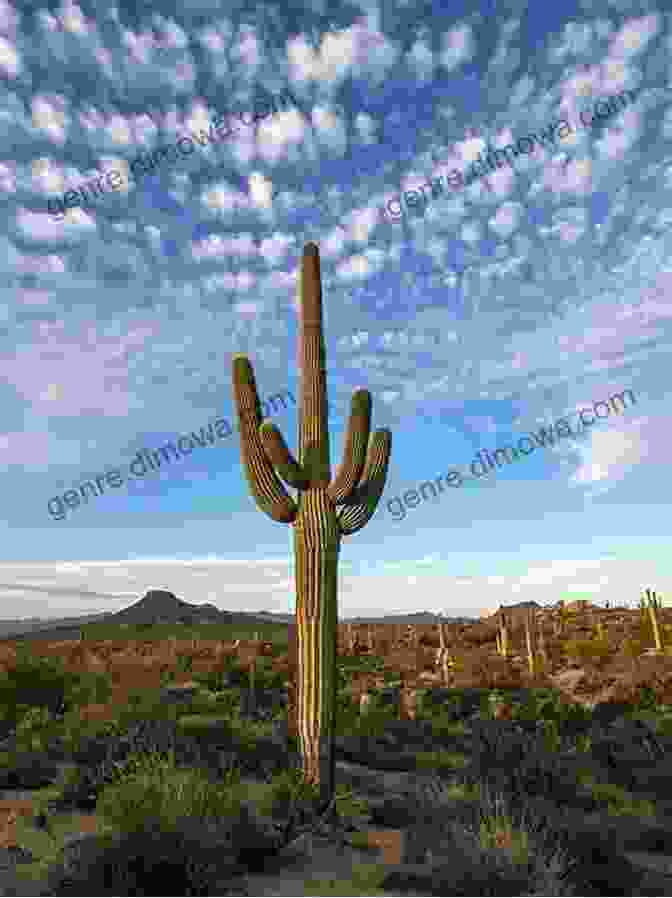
547	287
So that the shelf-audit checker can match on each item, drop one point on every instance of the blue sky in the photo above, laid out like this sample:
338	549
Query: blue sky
537	290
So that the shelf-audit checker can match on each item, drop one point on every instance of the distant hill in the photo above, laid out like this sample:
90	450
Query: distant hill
418	617
36	624
160	606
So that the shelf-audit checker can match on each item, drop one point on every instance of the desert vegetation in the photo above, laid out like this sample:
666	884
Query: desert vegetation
141	763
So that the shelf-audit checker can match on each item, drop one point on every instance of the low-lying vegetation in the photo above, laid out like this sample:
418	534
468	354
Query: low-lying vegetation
191	781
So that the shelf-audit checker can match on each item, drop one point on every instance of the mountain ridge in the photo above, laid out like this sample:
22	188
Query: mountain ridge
161	606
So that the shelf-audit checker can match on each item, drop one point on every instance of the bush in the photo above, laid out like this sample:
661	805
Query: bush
176	832
36	692
498	853
519	839
100	757
189	860
150	786
35	728
34	682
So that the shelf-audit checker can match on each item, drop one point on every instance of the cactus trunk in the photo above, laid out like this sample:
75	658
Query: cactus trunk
316	552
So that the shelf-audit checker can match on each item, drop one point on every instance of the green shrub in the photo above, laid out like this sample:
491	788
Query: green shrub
100	755
151	786
33	682
32	686
647	700
175	831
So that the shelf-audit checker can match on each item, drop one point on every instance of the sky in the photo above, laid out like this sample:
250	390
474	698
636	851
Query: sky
509	299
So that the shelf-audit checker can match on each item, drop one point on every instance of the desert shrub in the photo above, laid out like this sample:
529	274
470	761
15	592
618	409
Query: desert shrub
256	751
21	769
647	700
571	719
264	676
349	805
519	765
550	731
193	858
34	682
99	756
497	747
523	838
618	800
90	687
152	786
33	728
494	849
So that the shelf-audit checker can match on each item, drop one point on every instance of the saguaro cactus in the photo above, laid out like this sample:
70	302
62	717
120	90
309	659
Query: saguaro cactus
318	526
443	655
652	603
528	642
503	636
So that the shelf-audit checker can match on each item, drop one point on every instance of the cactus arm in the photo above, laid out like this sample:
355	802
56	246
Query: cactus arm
281	458
354	454
362	503
269	493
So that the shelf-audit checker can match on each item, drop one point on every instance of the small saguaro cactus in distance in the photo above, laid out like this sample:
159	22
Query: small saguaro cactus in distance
543	654
528	642
443	656
318	525
652	603
503	641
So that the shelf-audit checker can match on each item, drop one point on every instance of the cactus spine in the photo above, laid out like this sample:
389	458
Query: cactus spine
318	526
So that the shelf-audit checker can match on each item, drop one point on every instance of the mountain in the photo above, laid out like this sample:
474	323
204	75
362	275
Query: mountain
159	606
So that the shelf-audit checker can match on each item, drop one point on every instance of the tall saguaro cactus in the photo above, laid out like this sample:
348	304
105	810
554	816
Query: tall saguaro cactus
318	525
